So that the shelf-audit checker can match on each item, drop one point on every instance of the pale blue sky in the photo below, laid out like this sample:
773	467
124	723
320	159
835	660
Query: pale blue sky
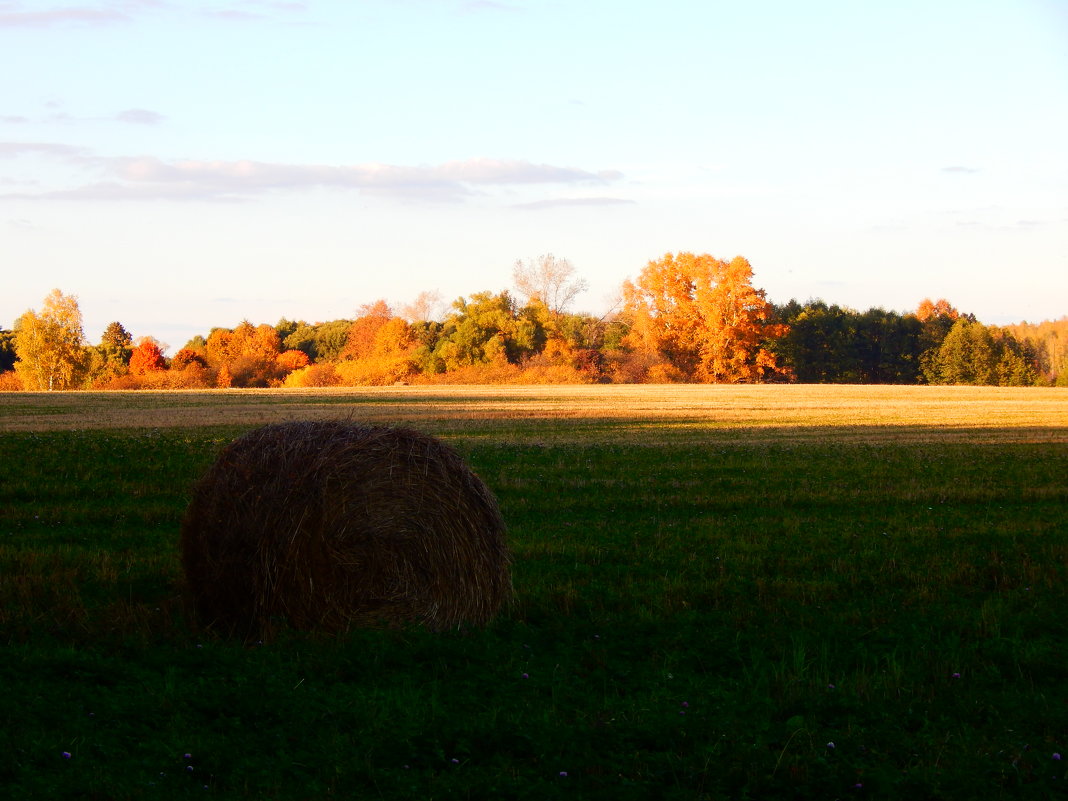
182	165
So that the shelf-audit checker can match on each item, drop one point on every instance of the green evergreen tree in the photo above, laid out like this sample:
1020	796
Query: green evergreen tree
116	347
7	350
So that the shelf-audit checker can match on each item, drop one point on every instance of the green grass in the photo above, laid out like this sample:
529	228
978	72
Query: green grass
695	618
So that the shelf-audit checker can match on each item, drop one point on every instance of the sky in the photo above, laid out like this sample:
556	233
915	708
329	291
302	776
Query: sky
185	164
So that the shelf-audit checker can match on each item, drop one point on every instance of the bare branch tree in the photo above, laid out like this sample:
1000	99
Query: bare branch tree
549	280
426	306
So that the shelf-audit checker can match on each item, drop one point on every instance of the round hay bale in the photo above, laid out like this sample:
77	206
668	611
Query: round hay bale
331	525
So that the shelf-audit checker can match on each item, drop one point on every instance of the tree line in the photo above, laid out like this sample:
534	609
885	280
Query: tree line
686	318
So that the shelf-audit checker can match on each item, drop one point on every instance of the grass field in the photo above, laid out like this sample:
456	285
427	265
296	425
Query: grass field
722	592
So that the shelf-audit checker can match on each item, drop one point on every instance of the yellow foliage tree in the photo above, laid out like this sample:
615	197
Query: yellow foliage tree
704	320
50	346
388	358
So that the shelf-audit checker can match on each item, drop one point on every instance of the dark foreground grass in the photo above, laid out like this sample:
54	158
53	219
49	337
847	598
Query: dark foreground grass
748	619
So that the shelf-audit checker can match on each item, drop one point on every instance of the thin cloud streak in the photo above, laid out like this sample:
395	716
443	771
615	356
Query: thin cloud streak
65	152
140	116
17	15
130	116
539	205
13	15
145	178
253	11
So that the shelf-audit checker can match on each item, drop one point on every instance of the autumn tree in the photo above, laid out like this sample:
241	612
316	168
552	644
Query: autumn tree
390	358
147	357
703	318
186	358
189	370
381	348
1049	342
290	360
937	318
664	321
549	280
930	309
50	345
244	356
360	341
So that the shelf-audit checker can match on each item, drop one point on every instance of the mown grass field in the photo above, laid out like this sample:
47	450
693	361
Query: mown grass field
721	592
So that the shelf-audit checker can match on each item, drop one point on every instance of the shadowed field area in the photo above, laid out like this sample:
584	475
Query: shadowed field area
721	592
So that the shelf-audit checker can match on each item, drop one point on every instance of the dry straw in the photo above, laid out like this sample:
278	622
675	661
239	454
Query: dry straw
331	525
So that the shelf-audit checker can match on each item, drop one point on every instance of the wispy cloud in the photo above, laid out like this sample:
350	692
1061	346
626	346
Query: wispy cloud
960	169
553	203
145	178
256	11
132	116
65	152
140	116
14	14
18	15
474	6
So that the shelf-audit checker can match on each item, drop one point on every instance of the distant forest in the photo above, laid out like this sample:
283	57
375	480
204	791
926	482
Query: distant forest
687	318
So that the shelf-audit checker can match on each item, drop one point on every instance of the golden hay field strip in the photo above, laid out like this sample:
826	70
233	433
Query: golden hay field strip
680	411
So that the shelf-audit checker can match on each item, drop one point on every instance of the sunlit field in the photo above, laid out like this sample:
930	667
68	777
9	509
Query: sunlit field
721	592
568	412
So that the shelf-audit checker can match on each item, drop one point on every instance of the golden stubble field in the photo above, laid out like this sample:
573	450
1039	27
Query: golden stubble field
634	412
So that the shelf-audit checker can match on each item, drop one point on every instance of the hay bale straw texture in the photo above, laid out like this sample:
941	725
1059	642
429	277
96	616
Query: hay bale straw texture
331	525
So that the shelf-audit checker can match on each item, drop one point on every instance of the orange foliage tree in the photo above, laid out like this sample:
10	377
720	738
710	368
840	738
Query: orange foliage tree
362	333
291	360
701	319
147	357
245	356
388	358
929	309
187	357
